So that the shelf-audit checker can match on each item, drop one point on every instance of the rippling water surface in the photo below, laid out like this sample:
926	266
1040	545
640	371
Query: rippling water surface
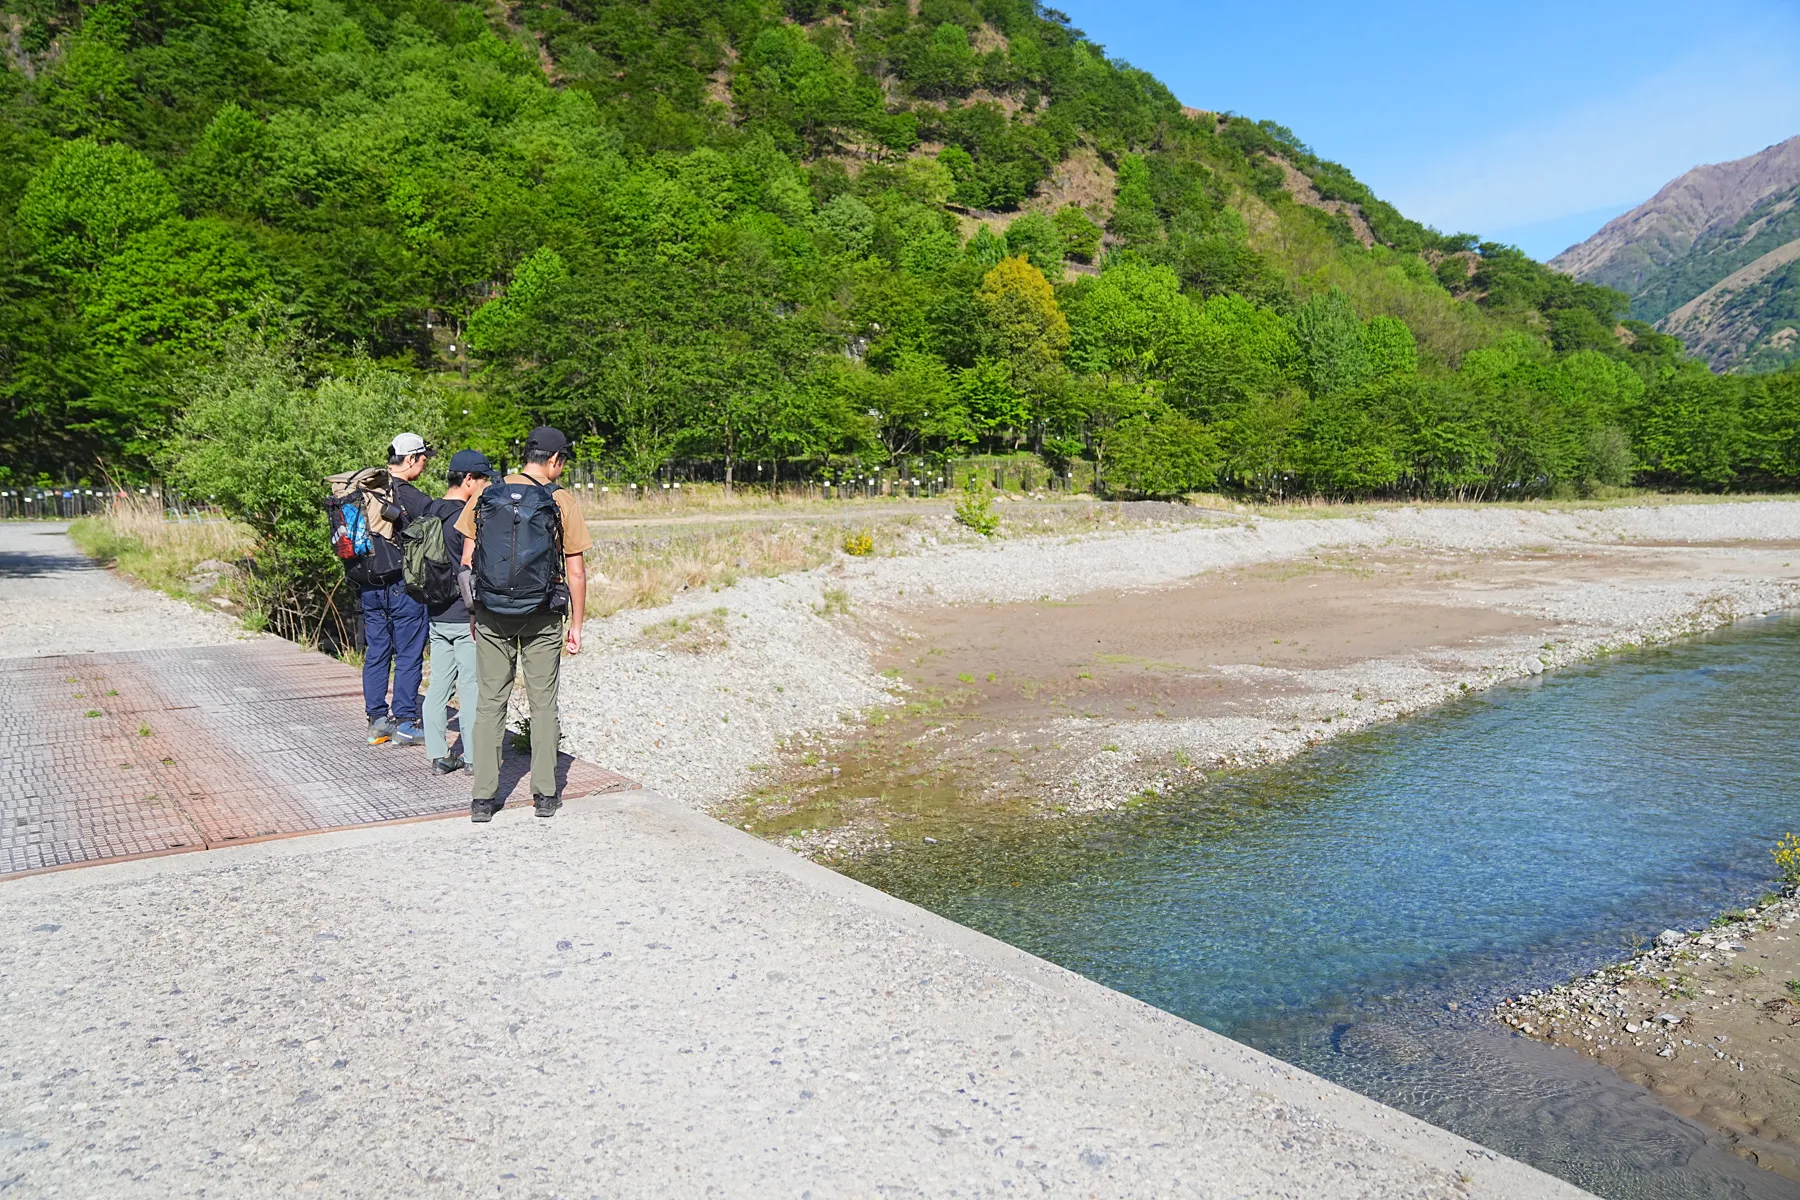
1328	910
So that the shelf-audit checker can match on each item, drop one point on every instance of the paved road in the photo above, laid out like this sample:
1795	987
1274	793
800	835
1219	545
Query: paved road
57	601
630	1000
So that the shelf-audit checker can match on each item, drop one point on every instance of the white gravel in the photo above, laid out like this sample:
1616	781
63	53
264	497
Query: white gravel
694	726
57	601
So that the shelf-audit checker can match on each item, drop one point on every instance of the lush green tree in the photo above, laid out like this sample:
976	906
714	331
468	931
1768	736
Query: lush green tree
1035	238
259	436
1024	324
1162	453
88	200
1130	321
1080	236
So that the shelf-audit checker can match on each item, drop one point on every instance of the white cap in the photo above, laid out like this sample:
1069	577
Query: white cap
408	444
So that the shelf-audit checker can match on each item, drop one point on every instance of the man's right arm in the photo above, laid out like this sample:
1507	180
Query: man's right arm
465	580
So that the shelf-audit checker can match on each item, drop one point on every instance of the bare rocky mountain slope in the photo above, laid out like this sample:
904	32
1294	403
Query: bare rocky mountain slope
1713	258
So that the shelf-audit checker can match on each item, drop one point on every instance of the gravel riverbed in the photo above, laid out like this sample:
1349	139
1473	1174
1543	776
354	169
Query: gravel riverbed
795	655
1706	1020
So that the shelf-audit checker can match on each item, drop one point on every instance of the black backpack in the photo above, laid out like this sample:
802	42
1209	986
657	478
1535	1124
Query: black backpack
518	548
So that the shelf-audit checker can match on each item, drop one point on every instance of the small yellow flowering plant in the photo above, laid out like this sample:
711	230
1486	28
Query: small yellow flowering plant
1787	857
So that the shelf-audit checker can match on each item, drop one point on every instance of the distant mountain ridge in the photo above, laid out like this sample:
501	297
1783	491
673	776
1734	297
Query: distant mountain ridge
1713	258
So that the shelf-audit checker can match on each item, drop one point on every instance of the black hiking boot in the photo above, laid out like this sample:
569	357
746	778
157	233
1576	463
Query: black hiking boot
448	766
482	811
545	806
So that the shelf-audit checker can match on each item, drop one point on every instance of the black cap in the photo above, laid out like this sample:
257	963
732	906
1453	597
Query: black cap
470	462
548	440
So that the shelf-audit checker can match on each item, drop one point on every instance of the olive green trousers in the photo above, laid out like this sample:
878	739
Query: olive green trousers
505	647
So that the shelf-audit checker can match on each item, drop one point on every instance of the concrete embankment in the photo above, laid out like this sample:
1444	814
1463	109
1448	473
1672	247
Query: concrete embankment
629	1000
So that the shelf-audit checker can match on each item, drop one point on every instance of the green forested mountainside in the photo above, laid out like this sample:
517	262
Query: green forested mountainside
1734	298
738	230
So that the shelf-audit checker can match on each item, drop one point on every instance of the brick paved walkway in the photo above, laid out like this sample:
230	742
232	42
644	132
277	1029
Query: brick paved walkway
107	755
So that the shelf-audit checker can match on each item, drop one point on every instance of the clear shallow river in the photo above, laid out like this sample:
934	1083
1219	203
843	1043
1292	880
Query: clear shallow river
1328	910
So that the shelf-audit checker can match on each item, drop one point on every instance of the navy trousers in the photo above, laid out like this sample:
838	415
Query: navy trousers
395	625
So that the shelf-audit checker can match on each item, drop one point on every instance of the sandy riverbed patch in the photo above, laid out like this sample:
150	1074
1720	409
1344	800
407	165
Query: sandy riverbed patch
1706	1021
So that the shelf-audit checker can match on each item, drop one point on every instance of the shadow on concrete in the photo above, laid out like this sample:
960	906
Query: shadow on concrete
515	769
15	564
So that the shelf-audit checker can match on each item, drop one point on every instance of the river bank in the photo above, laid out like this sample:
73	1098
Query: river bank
1076	671
1705	1020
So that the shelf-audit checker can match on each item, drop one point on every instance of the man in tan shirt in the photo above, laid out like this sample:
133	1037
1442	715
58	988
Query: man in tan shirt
518	596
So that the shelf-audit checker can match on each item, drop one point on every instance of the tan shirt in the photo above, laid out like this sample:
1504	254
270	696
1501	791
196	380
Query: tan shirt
576	539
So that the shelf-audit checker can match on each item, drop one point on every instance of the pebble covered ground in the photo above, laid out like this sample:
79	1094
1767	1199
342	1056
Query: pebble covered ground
794	654
1706	1020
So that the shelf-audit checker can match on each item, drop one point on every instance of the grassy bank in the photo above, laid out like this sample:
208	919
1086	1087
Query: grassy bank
138	540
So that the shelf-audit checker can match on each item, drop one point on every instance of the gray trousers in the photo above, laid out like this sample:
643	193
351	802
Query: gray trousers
505	647
452	669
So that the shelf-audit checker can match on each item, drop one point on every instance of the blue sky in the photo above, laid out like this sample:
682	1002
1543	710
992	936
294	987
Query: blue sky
1529	122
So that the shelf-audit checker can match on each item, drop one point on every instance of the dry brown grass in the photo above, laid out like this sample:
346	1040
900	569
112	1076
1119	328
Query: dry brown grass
608	502
649	572
138	539
689	635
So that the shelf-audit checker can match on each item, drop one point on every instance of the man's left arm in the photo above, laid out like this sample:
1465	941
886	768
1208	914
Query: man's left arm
413	502
575	572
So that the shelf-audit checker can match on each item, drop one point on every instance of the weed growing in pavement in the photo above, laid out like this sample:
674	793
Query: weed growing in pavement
834	601
1793	987
143	731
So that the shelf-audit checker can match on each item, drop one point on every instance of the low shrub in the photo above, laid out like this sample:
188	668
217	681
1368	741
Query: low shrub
1787	859
975	510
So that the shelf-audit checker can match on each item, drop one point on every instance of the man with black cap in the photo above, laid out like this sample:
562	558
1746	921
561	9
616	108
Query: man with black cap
452	638
394	619
522	548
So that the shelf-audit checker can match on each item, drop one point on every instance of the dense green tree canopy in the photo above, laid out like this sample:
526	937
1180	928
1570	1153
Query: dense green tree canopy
740	230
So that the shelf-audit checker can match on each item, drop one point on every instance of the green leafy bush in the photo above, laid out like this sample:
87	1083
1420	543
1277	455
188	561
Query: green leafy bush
1162	453
975	510
259	437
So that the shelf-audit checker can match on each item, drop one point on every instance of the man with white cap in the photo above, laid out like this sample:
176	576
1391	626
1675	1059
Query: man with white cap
395	622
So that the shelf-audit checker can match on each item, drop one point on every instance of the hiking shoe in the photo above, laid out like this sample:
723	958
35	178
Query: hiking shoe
408	733
447	766
481	811
381	729
545	806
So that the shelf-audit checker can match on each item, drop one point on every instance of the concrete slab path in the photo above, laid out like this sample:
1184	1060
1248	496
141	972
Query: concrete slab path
629	1000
